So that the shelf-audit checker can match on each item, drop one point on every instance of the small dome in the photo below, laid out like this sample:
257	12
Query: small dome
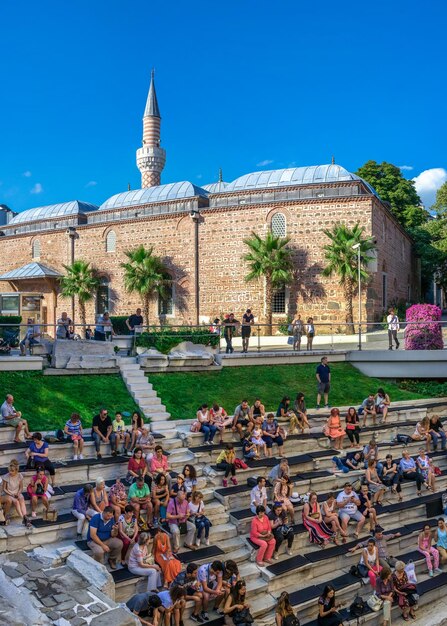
291	176
216	187
75	207
160	193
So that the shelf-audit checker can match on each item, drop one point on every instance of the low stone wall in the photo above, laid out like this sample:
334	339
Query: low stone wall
400	363
83	354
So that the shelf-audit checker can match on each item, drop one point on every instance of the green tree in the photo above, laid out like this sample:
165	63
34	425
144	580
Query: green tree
271	259
392	186
81	282
146	274
342	260
440	205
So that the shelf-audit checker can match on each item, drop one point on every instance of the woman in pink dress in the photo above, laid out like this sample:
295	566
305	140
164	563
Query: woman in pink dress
333	429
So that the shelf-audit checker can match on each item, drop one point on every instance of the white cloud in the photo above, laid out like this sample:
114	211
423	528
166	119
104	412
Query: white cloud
264	162
27	174
428	182
406	168
37	188
91	183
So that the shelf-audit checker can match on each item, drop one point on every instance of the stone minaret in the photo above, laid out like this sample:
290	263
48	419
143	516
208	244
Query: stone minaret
151	158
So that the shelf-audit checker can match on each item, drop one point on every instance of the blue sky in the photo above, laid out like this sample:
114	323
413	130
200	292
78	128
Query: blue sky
242	84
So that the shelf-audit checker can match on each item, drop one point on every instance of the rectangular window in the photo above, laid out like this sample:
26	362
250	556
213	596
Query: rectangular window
279	301
384	290
102	298
10	305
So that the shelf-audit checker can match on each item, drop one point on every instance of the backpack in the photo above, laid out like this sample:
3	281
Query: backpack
405	439
290	620
357	608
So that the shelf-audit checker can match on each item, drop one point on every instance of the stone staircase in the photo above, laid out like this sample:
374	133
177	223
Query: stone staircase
145	396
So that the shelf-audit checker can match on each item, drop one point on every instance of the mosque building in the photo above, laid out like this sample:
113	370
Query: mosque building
199	233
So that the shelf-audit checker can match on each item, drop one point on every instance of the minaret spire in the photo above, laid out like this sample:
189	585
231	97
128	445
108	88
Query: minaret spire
151	158
220	175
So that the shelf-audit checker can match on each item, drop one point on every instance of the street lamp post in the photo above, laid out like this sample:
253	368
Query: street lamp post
356	247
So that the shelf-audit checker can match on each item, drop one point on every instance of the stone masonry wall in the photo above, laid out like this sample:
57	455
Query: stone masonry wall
222	271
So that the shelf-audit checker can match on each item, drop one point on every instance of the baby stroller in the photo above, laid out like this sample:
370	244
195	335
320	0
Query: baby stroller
8	340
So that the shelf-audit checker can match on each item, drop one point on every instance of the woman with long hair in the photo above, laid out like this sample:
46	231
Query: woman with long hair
127	531
319	532
353	426
328	614
300	411
137	424
190	482
198	517
160	497
164	557
284	615
282	492
236	605
333	429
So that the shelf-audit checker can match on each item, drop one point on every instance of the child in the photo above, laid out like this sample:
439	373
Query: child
249	450
256	438
119	434
221	420
73	430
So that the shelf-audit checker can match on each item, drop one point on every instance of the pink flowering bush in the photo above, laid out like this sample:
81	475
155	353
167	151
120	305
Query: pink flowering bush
428	334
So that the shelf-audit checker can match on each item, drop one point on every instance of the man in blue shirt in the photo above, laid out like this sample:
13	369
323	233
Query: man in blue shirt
323	376
102	537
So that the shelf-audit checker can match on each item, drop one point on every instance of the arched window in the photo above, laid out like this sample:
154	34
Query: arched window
35	249
111	241
166	304
103	296
279	226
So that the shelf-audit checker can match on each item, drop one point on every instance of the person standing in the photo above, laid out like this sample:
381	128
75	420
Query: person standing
310	332
248	320
30	339
297	329
134	320
230	325
323	376
393	327
63	326
104	329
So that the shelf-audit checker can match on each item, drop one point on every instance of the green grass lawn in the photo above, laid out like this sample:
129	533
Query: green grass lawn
48	401
182	393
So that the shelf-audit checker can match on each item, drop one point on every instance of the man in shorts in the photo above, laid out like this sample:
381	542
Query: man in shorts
247	322
241	419
347	503
323	376
368	407
11	417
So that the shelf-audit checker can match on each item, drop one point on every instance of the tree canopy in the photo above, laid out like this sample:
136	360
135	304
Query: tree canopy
440	205
81	282
342	260
392	186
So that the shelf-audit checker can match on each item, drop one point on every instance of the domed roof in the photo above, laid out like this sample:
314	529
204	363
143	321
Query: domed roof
216	187
292	176
160	193
75	207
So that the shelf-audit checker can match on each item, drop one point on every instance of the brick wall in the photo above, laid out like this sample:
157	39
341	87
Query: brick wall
222	271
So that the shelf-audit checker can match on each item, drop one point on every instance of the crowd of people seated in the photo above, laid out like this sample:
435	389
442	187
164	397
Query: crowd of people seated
144	518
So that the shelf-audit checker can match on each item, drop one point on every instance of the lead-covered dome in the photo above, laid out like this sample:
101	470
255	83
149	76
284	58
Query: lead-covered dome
292	176
63	209
160	193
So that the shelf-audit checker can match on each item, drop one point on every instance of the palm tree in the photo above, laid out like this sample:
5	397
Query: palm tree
146	274
342	260
269	258
80	282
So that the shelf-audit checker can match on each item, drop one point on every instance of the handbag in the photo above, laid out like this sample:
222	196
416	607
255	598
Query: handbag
350	426
240	464
242	617
290	341
363	570
374	602
411	573
357	608
284	529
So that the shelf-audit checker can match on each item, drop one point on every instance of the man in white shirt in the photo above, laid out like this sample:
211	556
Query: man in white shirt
347	503
393	327
258	495
10	417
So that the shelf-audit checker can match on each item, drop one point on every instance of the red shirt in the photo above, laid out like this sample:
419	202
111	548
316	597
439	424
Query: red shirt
136	466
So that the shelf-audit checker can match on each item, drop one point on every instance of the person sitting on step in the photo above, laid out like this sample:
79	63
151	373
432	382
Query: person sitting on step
210	577
37	488
13	418
119	435
102	537
101	430
73	432
225	462
81	508
160	464
140	498
141	562
173	605
188	580
146	607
